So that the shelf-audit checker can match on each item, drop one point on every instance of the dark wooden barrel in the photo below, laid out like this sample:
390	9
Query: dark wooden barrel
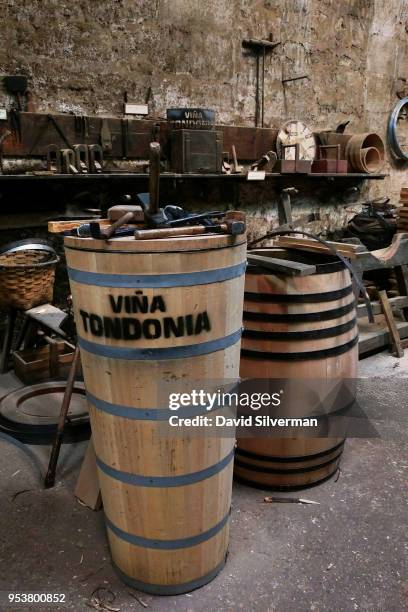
296	328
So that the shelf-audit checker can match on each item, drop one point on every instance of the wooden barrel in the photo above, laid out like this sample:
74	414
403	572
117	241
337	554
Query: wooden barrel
149	312
296	328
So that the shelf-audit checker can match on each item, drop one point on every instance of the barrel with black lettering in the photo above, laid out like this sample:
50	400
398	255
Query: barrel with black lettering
150	312
297	328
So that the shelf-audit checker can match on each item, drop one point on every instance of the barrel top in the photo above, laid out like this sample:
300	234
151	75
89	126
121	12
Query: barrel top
163	245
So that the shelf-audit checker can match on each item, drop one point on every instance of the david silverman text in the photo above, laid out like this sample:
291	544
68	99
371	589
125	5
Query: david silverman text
243	421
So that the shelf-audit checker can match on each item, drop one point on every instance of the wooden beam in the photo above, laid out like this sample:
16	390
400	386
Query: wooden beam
379	338
282	266
396	303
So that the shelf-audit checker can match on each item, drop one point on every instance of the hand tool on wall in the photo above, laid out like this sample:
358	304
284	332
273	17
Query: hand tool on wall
260	48
124	124
16	85
236	168
53	158
260	164
15	123
2	139
95	158
82	127
106	136
68	162
81	158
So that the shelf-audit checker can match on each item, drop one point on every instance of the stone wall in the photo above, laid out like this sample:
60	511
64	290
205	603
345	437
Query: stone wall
83	56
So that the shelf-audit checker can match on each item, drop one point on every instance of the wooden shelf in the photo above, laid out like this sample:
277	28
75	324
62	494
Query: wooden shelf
174	176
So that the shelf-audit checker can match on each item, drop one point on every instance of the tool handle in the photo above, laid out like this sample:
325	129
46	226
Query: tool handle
231	226
170	232
108	233
154	177
234	156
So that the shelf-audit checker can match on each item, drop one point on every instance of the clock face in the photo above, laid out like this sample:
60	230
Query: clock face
292	133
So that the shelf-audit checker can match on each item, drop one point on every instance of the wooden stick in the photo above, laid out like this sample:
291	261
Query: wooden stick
55	227
52	466
154	177
389	317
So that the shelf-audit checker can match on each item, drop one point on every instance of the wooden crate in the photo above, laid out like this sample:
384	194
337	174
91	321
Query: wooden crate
40	364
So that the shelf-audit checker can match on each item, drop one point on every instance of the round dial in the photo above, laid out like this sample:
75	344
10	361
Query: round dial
296	133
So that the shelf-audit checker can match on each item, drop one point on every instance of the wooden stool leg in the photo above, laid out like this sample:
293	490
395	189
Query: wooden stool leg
401	272
23	332
392	327
52	466
8	340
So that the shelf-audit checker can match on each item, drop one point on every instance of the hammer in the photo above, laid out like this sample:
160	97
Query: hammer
229	227
234	224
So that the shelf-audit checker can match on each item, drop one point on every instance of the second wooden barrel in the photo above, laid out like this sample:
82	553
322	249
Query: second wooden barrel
151	312
296	328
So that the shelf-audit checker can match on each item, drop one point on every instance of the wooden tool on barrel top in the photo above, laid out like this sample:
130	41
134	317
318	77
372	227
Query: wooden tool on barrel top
172	221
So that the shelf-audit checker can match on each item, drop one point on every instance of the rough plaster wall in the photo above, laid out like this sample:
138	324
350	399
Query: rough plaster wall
82	56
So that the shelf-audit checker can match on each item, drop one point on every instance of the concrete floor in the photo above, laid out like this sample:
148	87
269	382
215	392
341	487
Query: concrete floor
348	553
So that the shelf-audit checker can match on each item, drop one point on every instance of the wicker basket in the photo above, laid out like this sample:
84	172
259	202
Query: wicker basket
27	277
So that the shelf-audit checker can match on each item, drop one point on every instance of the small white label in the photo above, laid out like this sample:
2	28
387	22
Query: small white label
256	175
3	114
136	109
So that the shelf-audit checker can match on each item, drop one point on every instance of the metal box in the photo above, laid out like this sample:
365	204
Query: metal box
196	151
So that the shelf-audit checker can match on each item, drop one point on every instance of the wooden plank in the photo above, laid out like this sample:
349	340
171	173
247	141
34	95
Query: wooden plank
389	317
314	246
282	266
354	248
55	227
396	303
375	339
87	488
